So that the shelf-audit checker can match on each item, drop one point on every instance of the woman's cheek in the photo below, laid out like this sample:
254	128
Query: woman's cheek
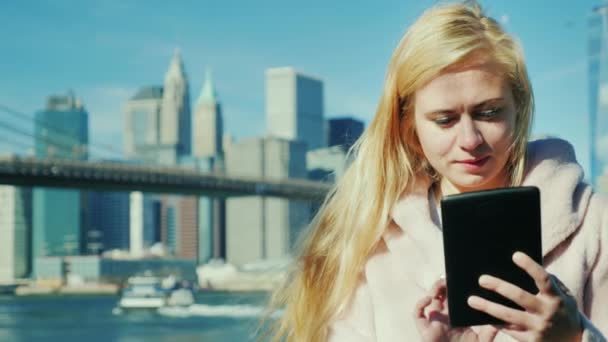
445	143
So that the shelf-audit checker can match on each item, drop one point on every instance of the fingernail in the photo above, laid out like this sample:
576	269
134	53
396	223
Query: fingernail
484	279
474	301
518	255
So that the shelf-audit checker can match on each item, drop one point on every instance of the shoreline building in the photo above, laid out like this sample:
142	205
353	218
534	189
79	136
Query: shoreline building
61	131
108	227
16	232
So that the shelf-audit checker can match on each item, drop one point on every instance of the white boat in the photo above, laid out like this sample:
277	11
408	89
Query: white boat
180	297
143	292
150	292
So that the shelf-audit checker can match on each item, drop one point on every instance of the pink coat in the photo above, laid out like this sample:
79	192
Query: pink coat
409	258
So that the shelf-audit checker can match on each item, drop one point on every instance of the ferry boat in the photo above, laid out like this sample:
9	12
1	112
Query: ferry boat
151	292
143	292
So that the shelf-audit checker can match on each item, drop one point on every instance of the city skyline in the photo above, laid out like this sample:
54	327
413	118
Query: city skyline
109	56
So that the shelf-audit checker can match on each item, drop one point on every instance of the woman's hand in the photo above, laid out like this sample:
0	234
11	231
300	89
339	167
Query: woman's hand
550	315
432	319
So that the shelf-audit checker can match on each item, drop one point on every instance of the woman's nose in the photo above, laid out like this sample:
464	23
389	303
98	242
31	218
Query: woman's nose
470	137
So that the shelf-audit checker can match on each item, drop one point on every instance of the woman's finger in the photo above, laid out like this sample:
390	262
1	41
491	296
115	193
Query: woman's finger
507	314
419	317
523	298
439	289
421	306
433	309
435	312
536	271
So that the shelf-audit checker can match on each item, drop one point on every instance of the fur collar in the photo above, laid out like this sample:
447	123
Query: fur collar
551	166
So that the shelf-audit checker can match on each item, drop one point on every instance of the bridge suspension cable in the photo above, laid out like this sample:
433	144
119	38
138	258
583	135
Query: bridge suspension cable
60	132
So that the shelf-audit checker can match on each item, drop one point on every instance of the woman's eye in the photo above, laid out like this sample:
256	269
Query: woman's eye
443	121
489	114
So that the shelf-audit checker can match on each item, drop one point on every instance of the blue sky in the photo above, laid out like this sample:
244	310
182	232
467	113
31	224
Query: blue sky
105	50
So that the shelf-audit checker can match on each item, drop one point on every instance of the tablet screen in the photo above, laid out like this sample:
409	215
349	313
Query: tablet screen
481	231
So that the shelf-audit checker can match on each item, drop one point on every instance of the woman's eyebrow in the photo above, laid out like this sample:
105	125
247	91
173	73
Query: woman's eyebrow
477	106
485	103
439	112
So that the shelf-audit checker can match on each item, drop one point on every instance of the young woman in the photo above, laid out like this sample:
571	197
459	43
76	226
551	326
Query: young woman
454	117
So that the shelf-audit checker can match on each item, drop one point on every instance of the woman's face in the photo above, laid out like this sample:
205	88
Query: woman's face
465	119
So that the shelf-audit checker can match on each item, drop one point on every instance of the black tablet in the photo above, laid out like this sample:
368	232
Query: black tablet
481	231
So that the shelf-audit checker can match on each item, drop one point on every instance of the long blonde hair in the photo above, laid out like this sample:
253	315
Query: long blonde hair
387	161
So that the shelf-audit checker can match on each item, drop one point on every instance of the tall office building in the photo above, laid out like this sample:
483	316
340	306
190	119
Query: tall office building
142	122
329	163
207	123
169	206
61	131
144	222
211	229
187	232
151	219
175	120
326	164
179	225
294	107
208	149
210	215
259	228
343	131
16	232
142	143
598	91
157	131
108	225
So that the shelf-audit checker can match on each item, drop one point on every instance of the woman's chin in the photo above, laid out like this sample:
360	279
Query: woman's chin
470	182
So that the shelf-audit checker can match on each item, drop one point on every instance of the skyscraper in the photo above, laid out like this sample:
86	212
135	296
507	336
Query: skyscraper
142	122
158	131
169	220
208	130
187	236
343	131
16	232
294	106
175	120
263	227
144	222
210	215
108	226
598	91
329	163
208	126
61	131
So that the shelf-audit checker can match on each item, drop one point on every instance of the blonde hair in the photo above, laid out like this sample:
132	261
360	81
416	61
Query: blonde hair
387	161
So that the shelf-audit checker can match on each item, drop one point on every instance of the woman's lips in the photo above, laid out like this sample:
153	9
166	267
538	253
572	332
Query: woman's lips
474	164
